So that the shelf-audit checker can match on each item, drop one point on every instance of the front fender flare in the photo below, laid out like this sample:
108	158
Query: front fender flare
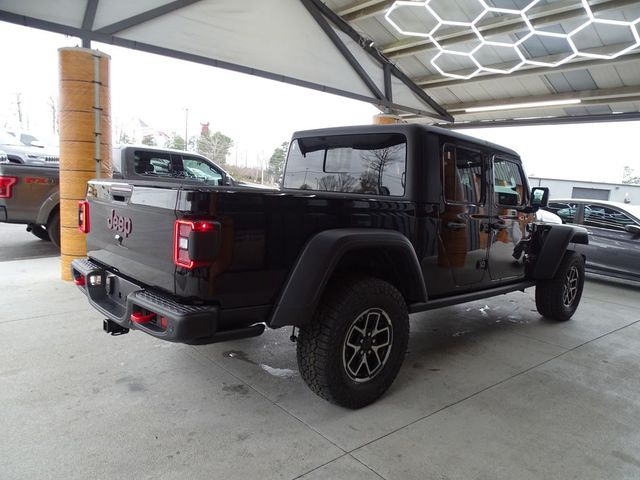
318	260
556	241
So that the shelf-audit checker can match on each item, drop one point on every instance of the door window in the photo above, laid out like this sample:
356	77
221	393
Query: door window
605	217
463	174
508	186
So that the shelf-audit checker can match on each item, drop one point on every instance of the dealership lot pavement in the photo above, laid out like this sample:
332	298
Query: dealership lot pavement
489	390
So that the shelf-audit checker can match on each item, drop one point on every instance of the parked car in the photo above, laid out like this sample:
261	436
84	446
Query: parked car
29	189
547	217
371	223
614	234
26	149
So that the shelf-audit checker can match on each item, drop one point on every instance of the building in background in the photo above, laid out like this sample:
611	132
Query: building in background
615	192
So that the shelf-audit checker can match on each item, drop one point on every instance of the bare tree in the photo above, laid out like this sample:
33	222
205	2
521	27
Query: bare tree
340	183
379	160
54	115
628	177
19	107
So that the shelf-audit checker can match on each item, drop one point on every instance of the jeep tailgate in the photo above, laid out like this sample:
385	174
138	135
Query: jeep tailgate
131	229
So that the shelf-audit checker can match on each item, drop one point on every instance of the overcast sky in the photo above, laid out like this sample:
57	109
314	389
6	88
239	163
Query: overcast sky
260	114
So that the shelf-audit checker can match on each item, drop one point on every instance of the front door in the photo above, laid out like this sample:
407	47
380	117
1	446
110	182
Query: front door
508	220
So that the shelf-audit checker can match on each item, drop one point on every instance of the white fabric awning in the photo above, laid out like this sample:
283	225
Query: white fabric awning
300	42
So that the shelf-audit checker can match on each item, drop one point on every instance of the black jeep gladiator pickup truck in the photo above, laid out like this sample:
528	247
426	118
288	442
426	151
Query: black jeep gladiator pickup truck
370	224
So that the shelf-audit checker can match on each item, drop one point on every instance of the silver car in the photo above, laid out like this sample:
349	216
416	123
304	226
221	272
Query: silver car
614	234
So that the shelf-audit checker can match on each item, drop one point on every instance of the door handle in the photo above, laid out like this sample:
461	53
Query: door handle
456	226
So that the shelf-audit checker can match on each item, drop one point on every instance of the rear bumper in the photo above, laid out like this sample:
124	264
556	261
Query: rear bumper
127	303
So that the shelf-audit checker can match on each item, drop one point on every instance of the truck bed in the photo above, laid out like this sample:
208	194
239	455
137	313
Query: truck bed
261	233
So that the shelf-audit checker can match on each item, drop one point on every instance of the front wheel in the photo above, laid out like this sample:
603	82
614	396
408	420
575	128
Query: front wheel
559	297
351	351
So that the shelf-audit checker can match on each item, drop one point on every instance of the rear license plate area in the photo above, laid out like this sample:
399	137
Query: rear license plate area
117	289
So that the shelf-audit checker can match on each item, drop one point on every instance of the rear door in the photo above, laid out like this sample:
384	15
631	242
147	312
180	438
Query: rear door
612	249
508	220
463	239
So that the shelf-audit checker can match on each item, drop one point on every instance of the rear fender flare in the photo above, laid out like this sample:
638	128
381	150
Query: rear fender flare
320	257
558	238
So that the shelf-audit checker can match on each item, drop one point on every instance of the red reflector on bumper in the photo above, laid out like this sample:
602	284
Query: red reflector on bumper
138	317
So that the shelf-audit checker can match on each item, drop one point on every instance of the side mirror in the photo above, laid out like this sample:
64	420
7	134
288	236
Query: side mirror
635	229
539	197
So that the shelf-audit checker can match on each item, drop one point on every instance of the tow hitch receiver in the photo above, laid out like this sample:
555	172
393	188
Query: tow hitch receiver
112	328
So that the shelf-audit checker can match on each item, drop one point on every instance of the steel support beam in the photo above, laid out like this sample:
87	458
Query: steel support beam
588	97
145	17
364	9
342	48
87	21
369	47
562	120
438	81
357	7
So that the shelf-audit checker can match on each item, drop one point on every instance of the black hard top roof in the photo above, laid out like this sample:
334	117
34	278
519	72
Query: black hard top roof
407	128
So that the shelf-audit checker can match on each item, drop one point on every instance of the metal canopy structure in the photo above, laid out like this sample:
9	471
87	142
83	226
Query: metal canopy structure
301	42
582	55
484	62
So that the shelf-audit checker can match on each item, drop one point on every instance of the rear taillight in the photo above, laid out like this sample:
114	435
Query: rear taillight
84	222
5	186
195	242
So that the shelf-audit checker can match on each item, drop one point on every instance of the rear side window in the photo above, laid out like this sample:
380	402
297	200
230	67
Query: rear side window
567	211
508	187
152	163
463	175
372	164
604	217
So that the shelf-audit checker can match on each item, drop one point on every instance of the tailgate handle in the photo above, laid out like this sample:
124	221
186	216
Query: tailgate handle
121	194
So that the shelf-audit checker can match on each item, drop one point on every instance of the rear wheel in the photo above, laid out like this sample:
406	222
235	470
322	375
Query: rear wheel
53	228
559	297
40	232
354	347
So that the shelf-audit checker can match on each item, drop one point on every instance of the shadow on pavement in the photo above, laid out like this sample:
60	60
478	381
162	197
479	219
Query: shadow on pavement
18	244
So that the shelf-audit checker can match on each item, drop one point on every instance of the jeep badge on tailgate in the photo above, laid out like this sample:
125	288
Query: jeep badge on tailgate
119	224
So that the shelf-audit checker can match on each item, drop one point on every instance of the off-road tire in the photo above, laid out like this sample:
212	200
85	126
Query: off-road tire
40	232
53	228
323	348
559	297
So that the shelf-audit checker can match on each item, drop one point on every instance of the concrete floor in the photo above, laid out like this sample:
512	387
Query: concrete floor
488	390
